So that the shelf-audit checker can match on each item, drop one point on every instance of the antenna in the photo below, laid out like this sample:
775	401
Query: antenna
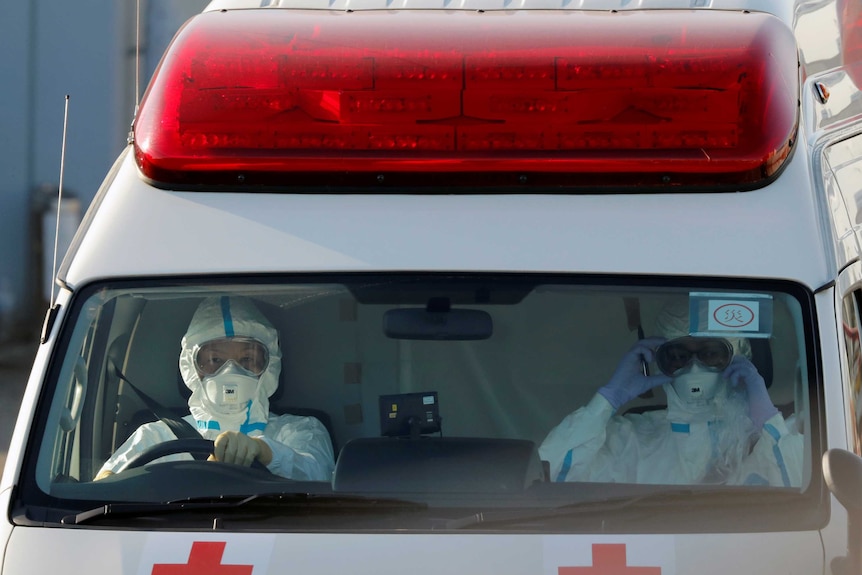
131	137
59	201
137	54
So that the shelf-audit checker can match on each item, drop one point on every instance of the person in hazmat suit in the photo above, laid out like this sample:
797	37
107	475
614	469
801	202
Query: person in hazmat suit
231	360
720	425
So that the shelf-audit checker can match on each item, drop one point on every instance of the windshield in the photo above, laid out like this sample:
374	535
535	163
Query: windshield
436	399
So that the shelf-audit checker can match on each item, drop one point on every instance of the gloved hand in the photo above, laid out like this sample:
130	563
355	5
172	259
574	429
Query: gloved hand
239	448
629	380
741	372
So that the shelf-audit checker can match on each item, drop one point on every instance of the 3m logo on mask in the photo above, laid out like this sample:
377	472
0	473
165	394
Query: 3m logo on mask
230	393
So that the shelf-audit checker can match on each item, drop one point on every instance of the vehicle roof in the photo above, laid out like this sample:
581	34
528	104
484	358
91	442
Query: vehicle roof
773	232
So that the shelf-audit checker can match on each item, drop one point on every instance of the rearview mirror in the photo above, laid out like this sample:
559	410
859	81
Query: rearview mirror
445	325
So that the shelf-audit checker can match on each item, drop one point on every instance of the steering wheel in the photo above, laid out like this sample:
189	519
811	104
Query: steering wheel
199	448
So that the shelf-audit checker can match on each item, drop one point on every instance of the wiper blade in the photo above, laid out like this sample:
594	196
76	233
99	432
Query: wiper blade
499	518
273	503
692	495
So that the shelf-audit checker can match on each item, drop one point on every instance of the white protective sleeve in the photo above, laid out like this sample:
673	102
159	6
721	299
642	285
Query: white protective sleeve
301	448
142	439
593	444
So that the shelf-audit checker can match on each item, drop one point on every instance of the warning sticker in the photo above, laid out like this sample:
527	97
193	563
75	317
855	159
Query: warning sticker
729	314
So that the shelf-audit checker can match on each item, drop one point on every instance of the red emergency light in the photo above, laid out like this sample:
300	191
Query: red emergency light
665	98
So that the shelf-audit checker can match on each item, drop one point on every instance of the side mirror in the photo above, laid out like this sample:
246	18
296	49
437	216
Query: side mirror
842	471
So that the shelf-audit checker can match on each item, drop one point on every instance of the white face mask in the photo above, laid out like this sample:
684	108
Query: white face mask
229	391
697	384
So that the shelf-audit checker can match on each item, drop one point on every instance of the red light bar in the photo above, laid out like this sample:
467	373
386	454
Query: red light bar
636	98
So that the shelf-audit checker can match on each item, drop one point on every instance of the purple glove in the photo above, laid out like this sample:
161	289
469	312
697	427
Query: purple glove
741	372
629	380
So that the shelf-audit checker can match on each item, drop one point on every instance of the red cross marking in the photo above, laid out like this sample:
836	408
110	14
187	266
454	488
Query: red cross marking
609	559
204	559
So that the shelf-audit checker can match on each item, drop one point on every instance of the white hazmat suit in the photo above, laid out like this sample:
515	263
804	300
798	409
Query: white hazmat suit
301	448
735	437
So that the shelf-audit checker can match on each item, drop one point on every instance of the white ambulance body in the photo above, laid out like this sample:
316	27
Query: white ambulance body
459	217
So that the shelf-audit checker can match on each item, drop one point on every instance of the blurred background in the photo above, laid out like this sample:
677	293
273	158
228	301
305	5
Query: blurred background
86	49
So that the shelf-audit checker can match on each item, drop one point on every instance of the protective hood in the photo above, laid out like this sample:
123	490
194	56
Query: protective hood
224	316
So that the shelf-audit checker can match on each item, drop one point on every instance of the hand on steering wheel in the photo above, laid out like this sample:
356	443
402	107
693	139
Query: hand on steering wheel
193	446
239	448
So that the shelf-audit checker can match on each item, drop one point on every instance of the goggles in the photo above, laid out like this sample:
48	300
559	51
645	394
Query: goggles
245	352
676	354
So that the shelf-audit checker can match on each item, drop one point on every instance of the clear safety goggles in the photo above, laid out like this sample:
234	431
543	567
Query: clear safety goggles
713	353
248	353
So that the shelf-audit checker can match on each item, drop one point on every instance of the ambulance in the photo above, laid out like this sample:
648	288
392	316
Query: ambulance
465	219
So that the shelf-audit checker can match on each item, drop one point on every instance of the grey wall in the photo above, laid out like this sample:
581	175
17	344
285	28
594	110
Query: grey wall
85	49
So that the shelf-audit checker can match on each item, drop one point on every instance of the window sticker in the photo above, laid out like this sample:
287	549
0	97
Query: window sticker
730	314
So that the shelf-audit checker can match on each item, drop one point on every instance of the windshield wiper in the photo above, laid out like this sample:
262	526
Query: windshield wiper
500	518
692	496
273	503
